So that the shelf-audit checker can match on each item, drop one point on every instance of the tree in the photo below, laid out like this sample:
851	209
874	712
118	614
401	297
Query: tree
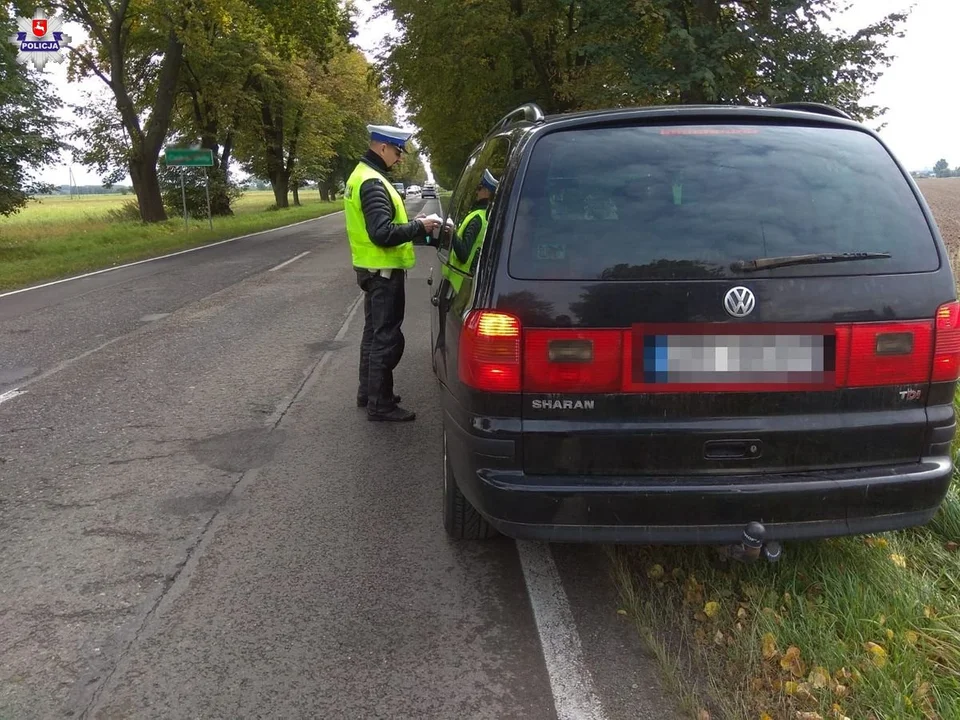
136	50
226	45
942	168
572	54
288	117
27	126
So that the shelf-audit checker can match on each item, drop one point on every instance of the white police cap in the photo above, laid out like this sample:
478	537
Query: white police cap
489	181
389	134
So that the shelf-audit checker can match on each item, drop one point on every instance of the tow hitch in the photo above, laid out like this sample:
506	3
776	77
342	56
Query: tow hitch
753	545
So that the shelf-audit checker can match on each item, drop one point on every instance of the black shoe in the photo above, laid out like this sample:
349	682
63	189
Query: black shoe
398	414
362	402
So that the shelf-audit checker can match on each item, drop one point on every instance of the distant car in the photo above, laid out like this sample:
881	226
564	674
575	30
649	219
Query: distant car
400	189
413	190
429	191
683	322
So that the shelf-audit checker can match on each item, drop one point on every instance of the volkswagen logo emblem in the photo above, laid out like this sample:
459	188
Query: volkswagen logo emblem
739	301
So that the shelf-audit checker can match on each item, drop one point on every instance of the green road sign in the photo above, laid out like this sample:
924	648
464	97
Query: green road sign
189	157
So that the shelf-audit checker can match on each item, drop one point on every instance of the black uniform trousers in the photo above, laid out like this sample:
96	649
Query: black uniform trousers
382	345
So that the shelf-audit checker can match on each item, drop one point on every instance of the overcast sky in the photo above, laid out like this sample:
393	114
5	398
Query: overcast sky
919	88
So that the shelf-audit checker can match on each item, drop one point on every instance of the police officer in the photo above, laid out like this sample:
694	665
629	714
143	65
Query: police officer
381	243
469	238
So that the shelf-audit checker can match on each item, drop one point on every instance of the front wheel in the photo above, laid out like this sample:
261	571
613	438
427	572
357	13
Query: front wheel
460	519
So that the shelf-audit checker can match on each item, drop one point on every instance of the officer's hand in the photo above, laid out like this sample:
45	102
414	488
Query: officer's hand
430	225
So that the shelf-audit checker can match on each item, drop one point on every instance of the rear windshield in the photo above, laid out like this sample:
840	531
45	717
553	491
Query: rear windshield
684	202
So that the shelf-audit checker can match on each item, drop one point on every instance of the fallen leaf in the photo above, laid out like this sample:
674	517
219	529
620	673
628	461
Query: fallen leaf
929	612
877	654
882	620
842	674
790	687
738	627
911	637
621	611
840	690
741	613
711	609
898	560
791	661
819	677
889	634
757	684
718	638
837	713
809	715
700	616
769	646
951	546
655	572
765	716
703	715
676	574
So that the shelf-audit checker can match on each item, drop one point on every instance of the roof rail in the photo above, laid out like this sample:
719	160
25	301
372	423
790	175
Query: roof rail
813	107
530	112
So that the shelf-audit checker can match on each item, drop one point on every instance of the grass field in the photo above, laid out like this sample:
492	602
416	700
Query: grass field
865	628
59	236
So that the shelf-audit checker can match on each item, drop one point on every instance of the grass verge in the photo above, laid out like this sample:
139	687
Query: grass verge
861	627
47	243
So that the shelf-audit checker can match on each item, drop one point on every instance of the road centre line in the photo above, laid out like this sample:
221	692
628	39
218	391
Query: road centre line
164	257
573	695
10	394
287	262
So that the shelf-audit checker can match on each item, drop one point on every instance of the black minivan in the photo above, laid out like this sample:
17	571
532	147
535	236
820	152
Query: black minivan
684	320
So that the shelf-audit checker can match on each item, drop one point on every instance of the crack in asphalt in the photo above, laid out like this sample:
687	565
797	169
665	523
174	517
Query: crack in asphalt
97	685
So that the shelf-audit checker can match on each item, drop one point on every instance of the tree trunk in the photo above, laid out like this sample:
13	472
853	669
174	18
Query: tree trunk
296	194
280	182
143	173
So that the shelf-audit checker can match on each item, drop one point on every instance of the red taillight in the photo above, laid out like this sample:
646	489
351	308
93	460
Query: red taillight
889	353
946	354
572	360
490	351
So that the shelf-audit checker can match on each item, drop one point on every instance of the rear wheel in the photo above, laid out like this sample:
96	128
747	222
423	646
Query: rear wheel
460	519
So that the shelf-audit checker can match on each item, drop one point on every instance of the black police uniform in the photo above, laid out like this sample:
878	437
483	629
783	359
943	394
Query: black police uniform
383	304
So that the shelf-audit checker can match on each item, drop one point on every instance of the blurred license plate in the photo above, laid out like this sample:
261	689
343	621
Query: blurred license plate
757	358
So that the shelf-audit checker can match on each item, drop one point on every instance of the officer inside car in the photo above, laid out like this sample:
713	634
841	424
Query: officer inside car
469	237
381	244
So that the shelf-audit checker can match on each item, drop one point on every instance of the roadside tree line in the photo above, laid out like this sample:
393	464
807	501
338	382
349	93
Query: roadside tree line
942	169
461	66
275	89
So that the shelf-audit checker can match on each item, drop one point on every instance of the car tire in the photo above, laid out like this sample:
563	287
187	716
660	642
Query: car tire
460	519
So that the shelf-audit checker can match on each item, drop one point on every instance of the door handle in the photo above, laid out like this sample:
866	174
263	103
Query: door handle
435	300
430	279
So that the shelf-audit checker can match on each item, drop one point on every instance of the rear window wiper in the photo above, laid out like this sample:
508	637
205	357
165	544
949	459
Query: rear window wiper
786	260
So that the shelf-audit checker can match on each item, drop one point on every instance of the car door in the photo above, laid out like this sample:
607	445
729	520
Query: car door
455	281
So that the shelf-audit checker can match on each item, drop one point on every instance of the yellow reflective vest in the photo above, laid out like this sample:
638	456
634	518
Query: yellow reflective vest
455	278
365	253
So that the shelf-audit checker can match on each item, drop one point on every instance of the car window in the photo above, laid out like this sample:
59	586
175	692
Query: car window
684	202
462	245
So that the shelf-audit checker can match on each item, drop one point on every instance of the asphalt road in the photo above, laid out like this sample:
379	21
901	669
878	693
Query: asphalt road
197	521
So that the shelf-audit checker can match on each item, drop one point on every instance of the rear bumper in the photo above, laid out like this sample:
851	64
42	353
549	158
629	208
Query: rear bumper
690	510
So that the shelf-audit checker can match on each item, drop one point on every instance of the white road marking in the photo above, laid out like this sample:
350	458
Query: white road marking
164	257
573	695
287	262
311	375
153	317
10	394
